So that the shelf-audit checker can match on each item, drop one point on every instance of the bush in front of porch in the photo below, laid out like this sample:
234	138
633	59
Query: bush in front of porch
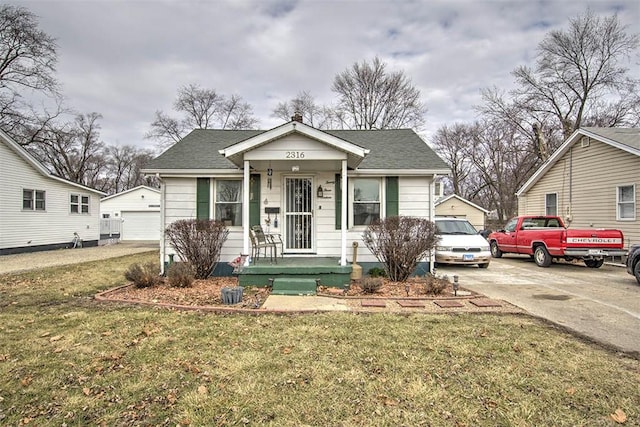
198	242
399	243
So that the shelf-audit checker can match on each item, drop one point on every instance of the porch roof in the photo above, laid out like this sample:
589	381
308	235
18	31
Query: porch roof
391	149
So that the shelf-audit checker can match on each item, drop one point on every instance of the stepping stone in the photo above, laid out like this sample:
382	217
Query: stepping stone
411	304
445	303
485	303
373	303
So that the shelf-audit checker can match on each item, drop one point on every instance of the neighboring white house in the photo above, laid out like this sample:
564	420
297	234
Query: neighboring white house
458	207
591	180
136	211
318	189
39	210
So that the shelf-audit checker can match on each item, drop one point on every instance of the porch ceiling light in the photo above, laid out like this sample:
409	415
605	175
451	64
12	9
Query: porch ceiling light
295	168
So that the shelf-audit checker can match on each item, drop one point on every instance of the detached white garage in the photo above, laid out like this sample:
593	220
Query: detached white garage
136	210
140	225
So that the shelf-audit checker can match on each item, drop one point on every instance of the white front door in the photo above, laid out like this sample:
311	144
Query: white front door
298	215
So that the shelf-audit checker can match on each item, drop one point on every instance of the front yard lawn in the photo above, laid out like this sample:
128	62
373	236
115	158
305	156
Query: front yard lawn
67	360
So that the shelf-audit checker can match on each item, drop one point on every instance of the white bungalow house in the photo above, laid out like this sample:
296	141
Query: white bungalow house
133	214
39	210
317	189
458	207
591	180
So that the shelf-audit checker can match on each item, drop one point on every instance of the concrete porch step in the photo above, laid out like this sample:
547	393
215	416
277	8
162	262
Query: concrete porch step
293	286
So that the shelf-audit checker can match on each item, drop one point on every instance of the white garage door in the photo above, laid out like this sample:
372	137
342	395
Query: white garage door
140	225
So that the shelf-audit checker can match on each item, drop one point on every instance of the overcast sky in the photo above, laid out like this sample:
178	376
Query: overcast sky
126	59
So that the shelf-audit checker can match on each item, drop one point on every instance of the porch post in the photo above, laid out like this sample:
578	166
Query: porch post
343	214
246	188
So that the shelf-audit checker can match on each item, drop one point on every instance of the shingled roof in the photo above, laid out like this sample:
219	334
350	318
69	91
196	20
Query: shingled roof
389	149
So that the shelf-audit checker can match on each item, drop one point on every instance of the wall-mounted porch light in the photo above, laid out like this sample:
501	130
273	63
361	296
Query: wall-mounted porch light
320	192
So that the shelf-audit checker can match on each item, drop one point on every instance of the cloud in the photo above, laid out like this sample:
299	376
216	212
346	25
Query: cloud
126	60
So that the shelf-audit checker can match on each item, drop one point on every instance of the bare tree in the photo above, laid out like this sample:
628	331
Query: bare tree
503	161
313	114
454	144
27	63
73	150
125	164
577	71
370	97
201	109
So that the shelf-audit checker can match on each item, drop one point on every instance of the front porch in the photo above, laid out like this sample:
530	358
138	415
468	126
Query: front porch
296	275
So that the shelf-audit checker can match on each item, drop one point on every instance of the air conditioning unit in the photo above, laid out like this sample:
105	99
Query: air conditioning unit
584	141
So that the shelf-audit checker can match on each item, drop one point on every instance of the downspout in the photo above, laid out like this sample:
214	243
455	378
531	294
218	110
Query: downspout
163	201
432	214
343	215
570	207
246	188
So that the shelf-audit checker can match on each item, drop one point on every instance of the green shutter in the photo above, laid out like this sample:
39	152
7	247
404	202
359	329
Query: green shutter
254	200
391	194
338	193
202	198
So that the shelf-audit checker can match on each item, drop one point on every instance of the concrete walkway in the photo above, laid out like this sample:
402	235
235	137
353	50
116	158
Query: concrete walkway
304	303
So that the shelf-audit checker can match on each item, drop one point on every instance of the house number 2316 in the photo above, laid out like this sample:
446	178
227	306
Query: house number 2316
294	155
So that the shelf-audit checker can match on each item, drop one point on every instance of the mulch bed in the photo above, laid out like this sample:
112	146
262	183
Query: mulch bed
208	292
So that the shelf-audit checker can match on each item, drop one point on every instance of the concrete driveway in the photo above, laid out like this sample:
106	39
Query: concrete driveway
602	304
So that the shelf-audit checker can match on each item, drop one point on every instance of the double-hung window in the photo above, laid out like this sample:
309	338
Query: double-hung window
626	201
228	201
366	200
79	203
33	200
551	204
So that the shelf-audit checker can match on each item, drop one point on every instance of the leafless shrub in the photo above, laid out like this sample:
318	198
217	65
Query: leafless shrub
371	285
399	242
180	275
143	276
198	242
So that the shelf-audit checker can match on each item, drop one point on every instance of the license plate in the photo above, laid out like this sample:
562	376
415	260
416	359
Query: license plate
595	252
467	257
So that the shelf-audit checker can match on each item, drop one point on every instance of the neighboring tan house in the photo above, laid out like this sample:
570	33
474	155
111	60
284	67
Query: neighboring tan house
591	180
318	189
134	212
458	207
39	210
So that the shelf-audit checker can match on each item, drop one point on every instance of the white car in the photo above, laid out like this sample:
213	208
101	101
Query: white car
460	243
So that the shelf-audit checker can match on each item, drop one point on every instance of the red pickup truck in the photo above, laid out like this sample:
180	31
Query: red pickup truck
545	238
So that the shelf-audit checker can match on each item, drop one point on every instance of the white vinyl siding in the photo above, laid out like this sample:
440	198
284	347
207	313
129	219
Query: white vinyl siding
626	203
55	224
592	202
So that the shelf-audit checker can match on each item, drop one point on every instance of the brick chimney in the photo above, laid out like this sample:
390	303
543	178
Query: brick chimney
297	117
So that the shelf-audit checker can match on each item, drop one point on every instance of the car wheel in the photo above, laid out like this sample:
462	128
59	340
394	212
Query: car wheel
594	263
485	265
541	257
636	272
495	250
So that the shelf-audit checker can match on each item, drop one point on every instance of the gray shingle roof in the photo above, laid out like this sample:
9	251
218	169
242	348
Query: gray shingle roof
626	136
389	149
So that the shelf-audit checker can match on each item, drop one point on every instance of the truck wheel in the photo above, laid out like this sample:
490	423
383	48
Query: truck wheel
495	250
636	271
541	256
594	263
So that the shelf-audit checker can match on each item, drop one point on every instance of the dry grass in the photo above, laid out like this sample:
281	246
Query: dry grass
65	360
